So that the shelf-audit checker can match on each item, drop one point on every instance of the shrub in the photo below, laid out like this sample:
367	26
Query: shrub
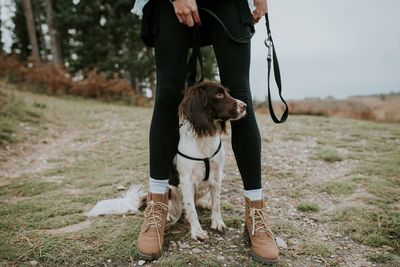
51	79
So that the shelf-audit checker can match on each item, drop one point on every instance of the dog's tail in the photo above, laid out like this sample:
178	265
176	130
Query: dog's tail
133	199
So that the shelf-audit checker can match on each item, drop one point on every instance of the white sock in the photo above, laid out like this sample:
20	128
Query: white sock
255	194
158	186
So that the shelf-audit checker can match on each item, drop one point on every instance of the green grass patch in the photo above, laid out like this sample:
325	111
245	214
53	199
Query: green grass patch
286	227
373	227
316	249
380	257
192	260
234	221
328	155
383	174
307	206
338	188
26	187
14	110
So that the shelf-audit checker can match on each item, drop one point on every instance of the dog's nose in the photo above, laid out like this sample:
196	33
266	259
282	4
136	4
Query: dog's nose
242	106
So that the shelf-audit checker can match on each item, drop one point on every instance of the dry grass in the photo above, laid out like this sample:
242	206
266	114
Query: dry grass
381	108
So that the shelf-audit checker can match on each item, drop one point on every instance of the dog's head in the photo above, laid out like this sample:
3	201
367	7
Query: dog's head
207	106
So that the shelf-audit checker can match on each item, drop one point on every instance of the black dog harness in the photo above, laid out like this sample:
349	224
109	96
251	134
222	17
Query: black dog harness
205	160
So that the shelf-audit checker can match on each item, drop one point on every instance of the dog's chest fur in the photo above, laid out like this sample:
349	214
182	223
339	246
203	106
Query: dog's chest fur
204	147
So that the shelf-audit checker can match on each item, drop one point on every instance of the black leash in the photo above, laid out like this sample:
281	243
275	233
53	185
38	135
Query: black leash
269	43
205	160
271	58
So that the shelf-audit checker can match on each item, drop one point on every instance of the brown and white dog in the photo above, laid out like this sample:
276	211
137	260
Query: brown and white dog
203	114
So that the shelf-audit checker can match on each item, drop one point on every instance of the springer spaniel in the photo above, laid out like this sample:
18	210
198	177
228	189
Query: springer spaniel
197	176
203	113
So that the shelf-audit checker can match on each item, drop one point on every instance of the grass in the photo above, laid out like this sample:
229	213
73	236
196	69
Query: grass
373	227
193	260
287	228
13	111
380	257
307	206
338	188
108	146
328	155
316	248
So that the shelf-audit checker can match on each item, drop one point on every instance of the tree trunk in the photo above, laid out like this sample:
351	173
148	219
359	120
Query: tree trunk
31	30
1	32
54	42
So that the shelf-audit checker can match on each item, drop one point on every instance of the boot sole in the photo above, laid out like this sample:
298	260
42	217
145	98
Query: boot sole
256	258
149	257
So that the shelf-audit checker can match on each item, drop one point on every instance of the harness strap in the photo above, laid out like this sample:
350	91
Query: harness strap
205	160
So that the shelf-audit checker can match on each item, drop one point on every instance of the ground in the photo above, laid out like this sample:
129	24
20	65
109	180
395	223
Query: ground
332	188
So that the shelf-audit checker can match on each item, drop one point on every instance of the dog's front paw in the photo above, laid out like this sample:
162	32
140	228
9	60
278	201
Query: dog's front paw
198	233
217	223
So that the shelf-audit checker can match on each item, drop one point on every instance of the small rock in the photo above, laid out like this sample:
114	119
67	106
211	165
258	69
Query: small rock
221	258
109	260
196	250
220	238
281	243
33	263
141	262
121	187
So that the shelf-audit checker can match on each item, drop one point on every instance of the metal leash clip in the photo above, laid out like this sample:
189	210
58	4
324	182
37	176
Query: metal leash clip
268	44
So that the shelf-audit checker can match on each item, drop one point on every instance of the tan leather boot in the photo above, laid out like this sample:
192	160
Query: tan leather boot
257	231
151	237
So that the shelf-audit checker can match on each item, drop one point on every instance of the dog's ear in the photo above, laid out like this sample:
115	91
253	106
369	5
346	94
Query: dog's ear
194	108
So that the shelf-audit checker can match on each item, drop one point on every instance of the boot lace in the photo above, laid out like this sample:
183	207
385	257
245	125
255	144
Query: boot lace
154	215
259	222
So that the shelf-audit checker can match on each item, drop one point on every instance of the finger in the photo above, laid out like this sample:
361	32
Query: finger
255	15
180	18
196	17
189	20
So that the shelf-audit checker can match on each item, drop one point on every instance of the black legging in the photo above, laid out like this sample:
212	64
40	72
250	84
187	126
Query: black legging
171	51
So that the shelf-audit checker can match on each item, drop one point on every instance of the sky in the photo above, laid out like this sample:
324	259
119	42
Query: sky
336	48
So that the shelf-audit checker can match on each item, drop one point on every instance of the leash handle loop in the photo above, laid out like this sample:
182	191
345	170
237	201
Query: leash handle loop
273	61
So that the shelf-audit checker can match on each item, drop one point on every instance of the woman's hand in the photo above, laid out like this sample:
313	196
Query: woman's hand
261	9
186	12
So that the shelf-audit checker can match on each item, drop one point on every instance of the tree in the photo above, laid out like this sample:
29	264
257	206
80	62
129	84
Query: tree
87	35
54	40
31	30
1	31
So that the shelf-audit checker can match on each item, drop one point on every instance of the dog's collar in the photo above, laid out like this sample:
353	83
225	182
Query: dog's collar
205	160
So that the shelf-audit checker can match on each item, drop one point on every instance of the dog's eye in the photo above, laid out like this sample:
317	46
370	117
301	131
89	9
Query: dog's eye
219	95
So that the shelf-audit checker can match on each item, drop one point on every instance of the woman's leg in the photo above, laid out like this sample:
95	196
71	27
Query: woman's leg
171	49
234	64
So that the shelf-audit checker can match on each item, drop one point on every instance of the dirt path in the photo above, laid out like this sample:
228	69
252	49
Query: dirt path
89	149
